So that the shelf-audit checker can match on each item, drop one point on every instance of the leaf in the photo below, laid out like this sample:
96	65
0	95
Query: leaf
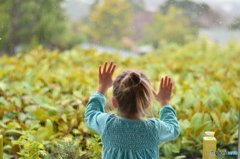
30	108
21	116
3	86
196	120
188	131
201	128
206	117
224	125
49	108
40	114
234	136
13	125
32	124
167	151
4	102
41	133
215	116
74	122
16	101
62	126
76	131
38	100
49	127
186	141
1	111
189	100
14	132
174	148
15	148
83	128
64	117
30	76
226	138
54	118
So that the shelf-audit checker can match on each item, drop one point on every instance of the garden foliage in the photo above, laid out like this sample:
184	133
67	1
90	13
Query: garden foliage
46	93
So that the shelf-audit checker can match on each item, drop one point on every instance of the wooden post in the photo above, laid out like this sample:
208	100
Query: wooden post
209	145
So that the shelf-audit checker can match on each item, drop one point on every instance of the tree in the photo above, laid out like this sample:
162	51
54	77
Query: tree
236	24
137	6
27	23
199	14
110	22
171	27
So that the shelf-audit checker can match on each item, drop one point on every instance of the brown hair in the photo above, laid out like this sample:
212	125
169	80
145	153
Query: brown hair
132	91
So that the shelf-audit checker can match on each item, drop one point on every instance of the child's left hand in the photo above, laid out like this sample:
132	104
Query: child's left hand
105	77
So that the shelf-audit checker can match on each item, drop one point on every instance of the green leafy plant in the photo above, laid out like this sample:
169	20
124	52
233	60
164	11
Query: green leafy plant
46	91
64	150
29	147
93	147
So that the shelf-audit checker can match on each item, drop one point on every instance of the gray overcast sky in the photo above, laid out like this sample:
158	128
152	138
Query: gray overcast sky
217	1
231	7
207	1
225	4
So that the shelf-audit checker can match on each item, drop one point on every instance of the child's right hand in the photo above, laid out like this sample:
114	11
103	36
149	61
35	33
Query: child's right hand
163	96
105	77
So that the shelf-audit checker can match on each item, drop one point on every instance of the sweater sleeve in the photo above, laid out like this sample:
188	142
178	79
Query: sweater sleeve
95	118
167	127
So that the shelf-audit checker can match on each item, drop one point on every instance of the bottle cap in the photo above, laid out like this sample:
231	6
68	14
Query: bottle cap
210	133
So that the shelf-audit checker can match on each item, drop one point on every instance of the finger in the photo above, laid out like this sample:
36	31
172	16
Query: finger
99	70
105	67
165	81
170	87
110	67
169	82
161	83
113	69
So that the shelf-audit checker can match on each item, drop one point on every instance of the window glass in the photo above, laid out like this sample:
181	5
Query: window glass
50	51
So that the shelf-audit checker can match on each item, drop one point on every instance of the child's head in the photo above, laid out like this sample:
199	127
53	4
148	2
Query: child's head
132	92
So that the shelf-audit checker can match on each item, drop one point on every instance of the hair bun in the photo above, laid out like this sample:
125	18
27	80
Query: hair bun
135	78
130	80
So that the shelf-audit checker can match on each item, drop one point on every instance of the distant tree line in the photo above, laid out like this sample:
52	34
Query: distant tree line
126	23
115	23
235	24
27	23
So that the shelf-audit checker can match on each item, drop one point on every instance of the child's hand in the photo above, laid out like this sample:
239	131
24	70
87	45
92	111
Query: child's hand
164	94
105	77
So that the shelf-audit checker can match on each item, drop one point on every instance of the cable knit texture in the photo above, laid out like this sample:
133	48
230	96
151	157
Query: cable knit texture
124	138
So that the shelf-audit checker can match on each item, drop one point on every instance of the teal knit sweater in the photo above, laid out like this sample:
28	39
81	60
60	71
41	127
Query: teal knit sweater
124	138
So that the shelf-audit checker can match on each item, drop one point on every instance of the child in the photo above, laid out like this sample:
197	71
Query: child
127	136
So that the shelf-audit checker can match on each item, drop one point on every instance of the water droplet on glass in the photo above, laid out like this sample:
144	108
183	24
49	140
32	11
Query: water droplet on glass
0	38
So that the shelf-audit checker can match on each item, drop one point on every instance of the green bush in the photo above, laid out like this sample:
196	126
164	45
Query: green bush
46	92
